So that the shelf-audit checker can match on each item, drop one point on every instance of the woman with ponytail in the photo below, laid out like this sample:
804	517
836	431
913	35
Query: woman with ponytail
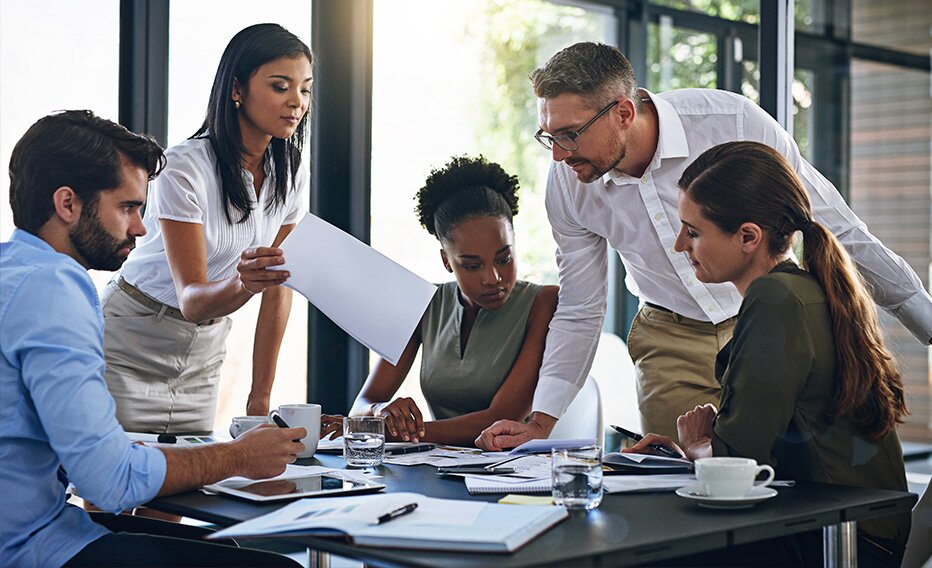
807	383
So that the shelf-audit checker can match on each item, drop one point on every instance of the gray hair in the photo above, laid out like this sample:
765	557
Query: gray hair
596	71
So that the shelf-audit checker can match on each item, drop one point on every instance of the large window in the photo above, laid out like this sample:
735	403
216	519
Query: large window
890	141
54	55
194	52
459	86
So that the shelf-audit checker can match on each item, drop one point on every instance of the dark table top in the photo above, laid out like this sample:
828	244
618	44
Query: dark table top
625	529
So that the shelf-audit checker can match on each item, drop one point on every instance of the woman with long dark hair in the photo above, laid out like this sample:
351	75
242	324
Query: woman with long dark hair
228	197
808	385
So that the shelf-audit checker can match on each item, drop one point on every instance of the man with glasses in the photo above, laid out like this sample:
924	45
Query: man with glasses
618	153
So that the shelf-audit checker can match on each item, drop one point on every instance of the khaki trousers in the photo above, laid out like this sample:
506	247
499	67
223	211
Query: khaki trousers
674	362
162	372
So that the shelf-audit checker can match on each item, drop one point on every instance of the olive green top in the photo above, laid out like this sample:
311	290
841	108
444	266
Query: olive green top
457	383
778	376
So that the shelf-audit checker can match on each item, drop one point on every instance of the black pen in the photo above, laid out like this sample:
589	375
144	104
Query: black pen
637	438
281	423
396	513
410	449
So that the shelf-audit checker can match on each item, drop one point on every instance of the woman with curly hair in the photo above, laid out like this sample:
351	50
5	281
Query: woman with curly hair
483	334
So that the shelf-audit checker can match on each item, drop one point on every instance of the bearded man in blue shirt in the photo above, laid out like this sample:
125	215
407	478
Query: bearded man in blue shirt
77	184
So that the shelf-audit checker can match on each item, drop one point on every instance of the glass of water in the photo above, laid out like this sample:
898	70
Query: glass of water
577	477
363	440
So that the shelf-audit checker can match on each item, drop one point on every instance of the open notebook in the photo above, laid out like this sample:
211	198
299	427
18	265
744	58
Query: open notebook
435	524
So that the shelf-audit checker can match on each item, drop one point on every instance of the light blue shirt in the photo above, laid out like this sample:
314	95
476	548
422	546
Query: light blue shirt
55	410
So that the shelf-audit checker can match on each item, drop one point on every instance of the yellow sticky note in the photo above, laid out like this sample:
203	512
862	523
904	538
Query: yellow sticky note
513	499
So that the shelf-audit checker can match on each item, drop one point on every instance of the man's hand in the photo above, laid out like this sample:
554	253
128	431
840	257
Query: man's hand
265	450
695	431
506	434
403	419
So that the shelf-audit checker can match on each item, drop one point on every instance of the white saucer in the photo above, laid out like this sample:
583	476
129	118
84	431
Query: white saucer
695	493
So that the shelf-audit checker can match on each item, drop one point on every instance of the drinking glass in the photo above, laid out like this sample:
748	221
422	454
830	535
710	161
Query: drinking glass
577	477
363	440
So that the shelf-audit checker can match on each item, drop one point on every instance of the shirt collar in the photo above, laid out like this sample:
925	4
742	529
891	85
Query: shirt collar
671	141
27	238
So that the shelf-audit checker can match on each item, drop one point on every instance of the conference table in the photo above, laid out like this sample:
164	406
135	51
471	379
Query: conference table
626	529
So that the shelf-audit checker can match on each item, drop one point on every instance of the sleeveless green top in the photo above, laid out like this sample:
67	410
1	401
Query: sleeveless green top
455	384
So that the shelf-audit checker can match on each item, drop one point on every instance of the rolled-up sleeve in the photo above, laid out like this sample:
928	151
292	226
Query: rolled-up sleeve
582	260
62	366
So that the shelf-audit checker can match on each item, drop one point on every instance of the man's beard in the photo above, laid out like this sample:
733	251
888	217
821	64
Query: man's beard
600	169
99	249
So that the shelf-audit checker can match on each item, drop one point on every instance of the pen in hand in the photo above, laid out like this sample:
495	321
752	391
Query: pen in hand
281	423
668	452
396	513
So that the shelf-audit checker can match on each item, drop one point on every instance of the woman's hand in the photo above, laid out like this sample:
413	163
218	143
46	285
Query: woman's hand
403	419
331	424
695	431
252	267
645	443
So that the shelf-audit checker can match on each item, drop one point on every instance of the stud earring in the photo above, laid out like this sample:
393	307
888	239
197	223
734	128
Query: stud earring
236	105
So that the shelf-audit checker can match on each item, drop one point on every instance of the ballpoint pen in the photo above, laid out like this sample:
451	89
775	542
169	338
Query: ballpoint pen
396	513
281	423
670	453
409	449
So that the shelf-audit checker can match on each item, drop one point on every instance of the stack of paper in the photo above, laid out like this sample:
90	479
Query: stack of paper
372	298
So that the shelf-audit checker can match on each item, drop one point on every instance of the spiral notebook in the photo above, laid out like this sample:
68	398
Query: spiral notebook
484	484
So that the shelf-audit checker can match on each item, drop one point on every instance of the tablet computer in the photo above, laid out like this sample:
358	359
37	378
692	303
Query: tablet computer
328	484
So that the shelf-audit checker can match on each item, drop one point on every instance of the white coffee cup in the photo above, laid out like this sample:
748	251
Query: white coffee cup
242	423
730	477
305	416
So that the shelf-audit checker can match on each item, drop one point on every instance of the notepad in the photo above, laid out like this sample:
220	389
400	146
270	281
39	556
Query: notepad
436	524
615	484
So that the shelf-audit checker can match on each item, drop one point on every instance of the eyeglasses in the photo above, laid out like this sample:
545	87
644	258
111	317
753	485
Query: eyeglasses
567	140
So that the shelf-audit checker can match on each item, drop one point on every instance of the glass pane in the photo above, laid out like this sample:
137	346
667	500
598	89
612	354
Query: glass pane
898	24
194	52
82	39
467	94
679	58
802	111
739	10
890	191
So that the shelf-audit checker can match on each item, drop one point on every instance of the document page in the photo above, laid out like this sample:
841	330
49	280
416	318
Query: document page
372	298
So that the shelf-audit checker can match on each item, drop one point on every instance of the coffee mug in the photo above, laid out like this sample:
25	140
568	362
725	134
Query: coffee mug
730	477
242	423
305	416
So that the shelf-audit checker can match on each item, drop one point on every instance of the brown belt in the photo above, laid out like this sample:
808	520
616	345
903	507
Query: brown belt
656	307
153	304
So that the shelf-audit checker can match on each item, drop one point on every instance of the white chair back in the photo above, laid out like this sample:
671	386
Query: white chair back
583	418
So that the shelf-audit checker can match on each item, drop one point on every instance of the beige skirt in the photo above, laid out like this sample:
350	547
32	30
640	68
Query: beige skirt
163	372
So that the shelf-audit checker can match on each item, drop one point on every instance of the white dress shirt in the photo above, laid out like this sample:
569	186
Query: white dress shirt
638	217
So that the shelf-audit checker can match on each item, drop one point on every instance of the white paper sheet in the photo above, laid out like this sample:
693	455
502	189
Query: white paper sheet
375	300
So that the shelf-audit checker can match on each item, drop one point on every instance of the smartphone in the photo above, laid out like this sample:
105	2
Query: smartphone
476	469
